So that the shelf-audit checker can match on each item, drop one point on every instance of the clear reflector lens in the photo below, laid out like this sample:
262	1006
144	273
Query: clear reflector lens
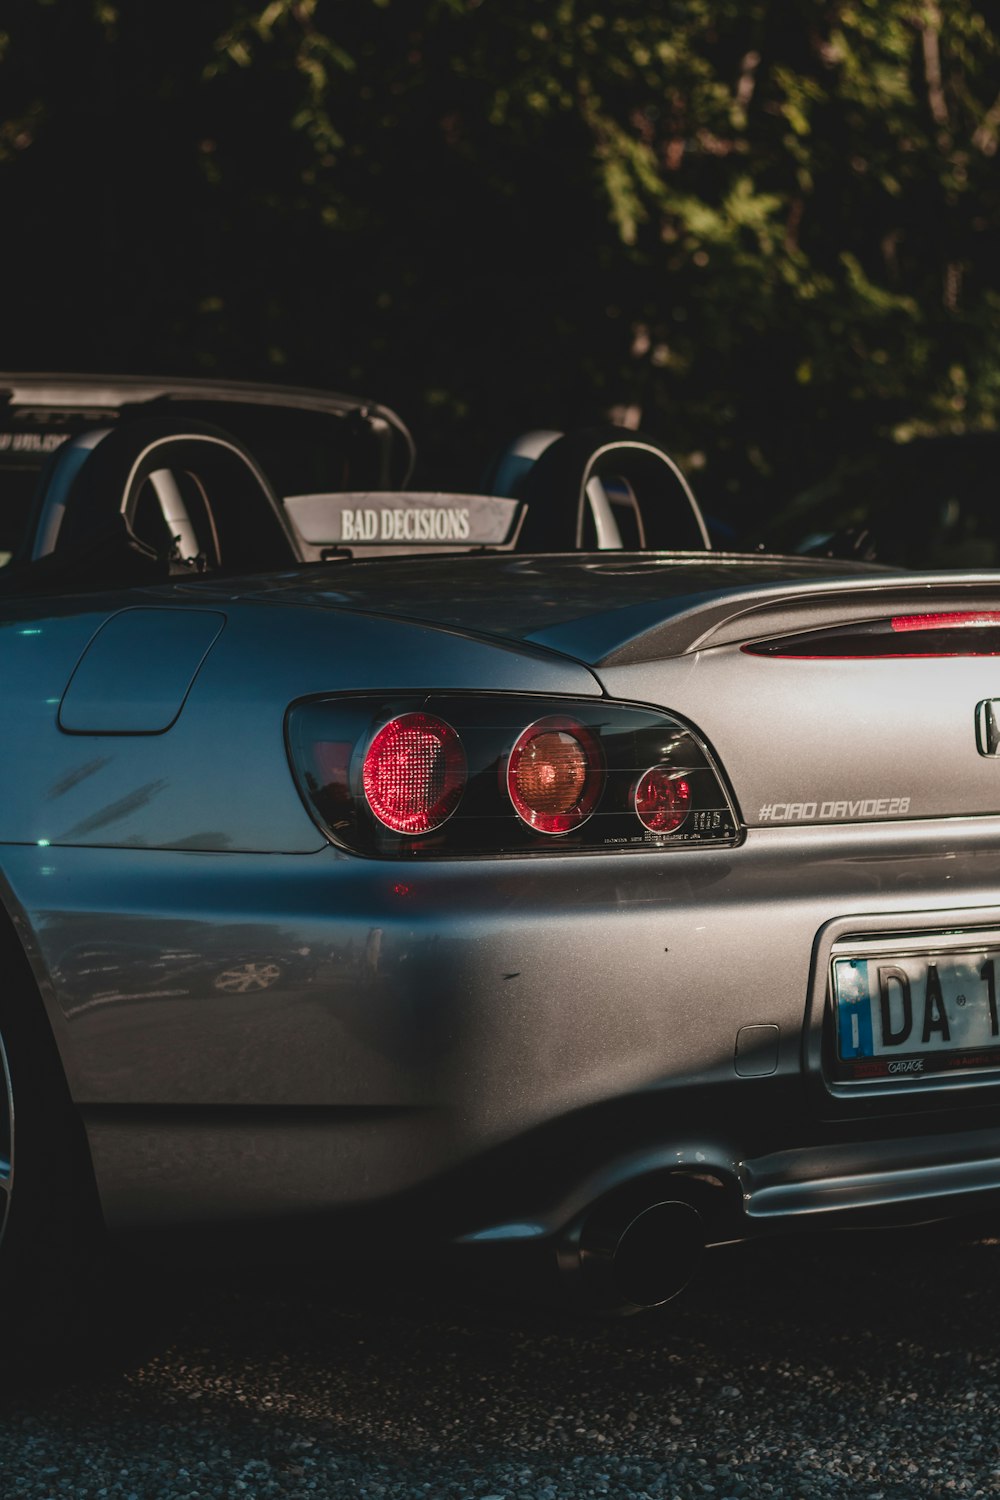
414	773
662	800
554	775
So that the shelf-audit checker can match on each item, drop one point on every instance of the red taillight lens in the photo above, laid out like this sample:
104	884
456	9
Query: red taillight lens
662	799
554	775
414	773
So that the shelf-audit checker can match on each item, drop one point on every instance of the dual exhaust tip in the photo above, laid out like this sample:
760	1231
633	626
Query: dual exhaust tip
639	1255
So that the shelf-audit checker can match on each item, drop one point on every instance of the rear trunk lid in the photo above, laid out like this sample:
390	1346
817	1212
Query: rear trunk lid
821	688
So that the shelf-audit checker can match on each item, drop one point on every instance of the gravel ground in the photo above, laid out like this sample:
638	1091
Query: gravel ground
843	1365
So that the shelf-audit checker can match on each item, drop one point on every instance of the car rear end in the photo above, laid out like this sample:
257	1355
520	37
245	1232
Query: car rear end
615	906
770	1001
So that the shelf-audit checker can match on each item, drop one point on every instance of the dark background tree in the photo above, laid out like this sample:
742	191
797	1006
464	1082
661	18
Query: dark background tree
768	230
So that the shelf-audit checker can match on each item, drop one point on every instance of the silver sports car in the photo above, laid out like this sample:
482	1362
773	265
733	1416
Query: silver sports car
485	872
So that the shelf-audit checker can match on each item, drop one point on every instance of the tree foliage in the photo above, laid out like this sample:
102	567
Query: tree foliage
765	229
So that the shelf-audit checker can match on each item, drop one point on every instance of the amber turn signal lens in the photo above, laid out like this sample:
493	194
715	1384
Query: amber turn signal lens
554	775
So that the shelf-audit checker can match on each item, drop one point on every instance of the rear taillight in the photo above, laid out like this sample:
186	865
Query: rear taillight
452	774
662	799
414	773
555	775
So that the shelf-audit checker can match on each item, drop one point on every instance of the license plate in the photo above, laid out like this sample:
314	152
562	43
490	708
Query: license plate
905	1015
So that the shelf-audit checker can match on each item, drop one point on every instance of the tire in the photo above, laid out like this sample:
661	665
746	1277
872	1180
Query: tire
50	1224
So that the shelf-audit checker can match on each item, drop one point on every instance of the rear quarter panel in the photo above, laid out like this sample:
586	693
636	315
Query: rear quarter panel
218	777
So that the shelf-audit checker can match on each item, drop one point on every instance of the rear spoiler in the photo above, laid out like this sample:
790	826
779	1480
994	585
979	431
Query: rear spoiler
362	523
735	616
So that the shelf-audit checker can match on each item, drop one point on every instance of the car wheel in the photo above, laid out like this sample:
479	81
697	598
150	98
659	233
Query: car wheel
49	1218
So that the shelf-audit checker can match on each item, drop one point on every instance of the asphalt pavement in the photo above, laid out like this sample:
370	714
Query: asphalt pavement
846	1365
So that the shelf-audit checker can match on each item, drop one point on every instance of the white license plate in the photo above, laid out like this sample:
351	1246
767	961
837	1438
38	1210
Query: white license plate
905	1015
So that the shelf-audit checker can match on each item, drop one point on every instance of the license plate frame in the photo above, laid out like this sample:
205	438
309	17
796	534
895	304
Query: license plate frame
915	1008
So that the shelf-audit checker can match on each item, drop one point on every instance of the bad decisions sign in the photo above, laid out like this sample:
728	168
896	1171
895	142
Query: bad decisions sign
437	523
380	519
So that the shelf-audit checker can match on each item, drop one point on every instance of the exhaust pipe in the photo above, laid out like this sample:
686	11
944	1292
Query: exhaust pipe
639	1257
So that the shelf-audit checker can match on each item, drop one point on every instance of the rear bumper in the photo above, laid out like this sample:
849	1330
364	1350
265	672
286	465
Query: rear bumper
478	1051
288	1177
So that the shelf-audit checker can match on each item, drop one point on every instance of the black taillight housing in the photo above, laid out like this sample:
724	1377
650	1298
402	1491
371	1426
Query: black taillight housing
403	775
